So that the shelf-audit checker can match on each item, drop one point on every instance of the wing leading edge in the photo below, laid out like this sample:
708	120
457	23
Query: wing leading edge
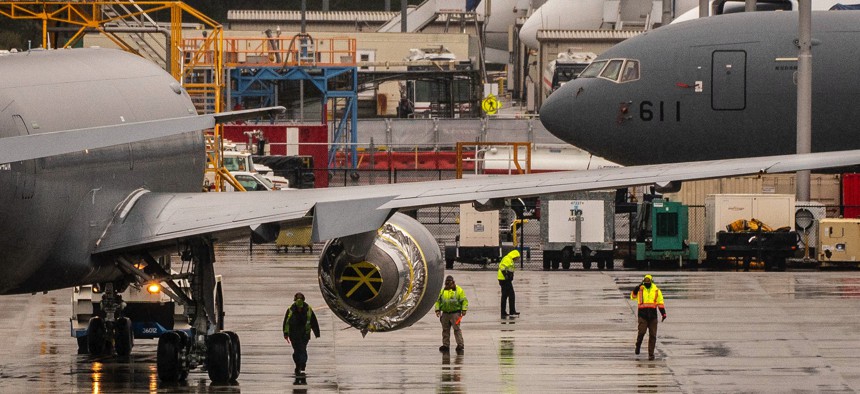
157	218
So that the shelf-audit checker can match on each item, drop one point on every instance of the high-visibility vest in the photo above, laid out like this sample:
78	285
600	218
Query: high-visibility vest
507	264
452	300
648	298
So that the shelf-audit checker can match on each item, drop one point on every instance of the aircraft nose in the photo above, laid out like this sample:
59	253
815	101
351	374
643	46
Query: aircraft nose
556	113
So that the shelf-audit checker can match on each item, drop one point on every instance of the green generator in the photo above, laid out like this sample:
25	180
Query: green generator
663	235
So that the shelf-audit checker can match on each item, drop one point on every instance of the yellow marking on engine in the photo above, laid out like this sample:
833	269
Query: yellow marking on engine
362	279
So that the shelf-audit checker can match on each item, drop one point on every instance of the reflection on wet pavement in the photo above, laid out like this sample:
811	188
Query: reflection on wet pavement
726	332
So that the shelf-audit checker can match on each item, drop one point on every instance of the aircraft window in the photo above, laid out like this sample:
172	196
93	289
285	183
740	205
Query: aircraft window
612	70
631	71
593	70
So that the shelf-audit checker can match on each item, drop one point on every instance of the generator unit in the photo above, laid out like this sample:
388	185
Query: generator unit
663	234
839	242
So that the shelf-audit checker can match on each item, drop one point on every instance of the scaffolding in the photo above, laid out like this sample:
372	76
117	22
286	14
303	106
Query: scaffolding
257	64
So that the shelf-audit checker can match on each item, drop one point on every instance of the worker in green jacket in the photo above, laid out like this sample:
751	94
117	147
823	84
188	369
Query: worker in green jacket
299	321
506	282
451	306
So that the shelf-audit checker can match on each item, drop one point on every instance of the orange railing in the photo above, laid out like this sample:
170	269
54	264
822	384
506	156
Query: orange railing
280	51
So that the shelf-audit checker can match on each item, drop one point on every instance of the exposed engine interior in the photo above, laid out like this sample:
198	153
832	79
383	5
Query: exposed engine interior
392	286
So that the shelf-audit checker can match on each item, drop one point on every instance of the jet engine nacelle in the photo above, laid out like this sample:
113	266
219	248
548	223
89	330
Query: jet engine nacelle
667	187
394	286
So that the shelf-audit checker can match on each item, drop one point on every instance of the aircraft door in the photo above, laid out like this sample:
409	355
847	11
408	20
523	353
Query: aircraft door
24	172
728	80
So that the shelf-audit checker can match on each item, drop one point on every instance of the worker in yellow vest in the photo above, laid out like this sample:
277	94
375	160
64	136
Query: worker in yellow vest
650	299
506	282
450	308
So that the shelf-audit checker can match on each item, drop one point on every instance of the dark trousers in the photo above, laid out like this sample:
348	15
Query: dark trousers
651	326
300	352
508	296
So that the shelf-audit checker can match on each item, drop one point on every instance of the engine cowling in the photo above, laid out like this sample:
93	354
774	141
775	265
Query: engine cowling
393	286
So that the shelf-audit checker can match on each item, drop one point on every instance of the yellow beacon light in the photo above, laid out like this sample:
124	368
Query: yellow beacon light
153	288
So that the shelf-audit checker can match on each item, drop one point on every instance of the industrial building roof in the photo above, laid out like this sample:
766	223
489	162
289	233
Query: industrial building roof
311	16
553	35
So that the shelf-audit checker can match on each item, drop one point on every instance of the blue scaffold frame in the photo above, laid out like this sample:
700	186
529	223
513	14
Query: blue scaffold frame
261	82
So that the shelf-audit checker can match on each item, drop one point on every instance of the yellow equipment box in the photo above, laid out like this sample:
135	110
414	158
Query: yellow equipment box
839	240
299	236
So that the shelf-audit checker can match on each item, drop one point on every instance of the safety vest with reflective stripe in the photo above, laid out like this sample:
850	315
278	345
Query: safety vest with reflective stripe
308	319
648	298
452	300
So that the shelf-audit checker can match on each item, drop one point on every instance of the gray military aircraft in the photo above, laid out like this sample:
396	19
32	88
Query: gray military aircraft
102	161
712	88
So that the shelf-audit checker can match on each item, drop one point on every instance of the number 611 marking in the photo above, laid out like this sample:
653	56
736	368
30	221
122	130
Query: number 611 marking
647	108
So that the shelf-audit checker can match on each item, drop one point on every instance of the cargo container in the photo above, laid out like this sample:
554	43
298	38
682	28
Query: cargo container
851	195
824	188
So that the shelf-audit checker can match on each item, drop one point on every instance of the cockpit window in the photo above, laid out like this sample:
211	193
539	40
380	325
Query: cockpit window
593	70
615	70
631	71
612	70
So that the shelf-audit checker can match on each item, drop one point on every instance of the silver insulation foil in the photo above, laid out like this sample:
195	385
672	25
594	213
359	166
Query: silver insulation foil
417	273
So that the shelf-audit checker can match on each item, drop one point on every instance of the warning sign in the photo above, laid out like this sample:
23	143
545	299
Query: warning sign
491	105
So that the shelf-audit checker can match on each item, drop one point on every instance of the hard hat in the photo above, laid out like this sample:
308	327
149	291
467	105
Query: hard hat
648	276
514	254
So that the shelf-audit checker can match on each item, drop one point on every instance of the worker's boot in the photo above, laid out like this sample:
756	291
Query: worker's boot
443	349
638	346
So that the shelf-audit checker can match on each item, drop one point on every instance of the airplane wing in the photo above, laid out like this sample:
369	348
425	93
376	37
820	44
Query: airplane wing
36	146
148	219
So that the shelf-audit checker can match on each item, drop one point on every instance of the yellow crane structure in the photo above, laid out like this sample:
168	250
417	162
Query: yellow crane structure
196	63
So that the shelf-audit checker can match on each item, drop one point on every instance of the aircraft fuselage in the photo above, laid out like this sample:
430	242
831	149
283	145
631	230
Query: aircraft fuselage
55	209
714	88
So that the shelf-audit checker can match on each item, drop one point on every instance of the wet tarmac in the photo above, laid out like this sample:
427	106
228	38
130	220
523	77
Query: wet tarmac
726	332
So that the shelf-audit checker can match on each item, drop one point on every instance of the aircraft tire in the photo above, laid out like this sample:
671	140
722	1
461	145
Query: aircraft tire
168	366
218	358
124	337
96	338
236	349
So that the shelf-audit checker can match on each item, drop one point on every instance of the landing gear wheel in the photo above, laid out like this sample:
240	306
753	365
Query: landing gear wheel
97	343
124	337
168	366
218	357
237	355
